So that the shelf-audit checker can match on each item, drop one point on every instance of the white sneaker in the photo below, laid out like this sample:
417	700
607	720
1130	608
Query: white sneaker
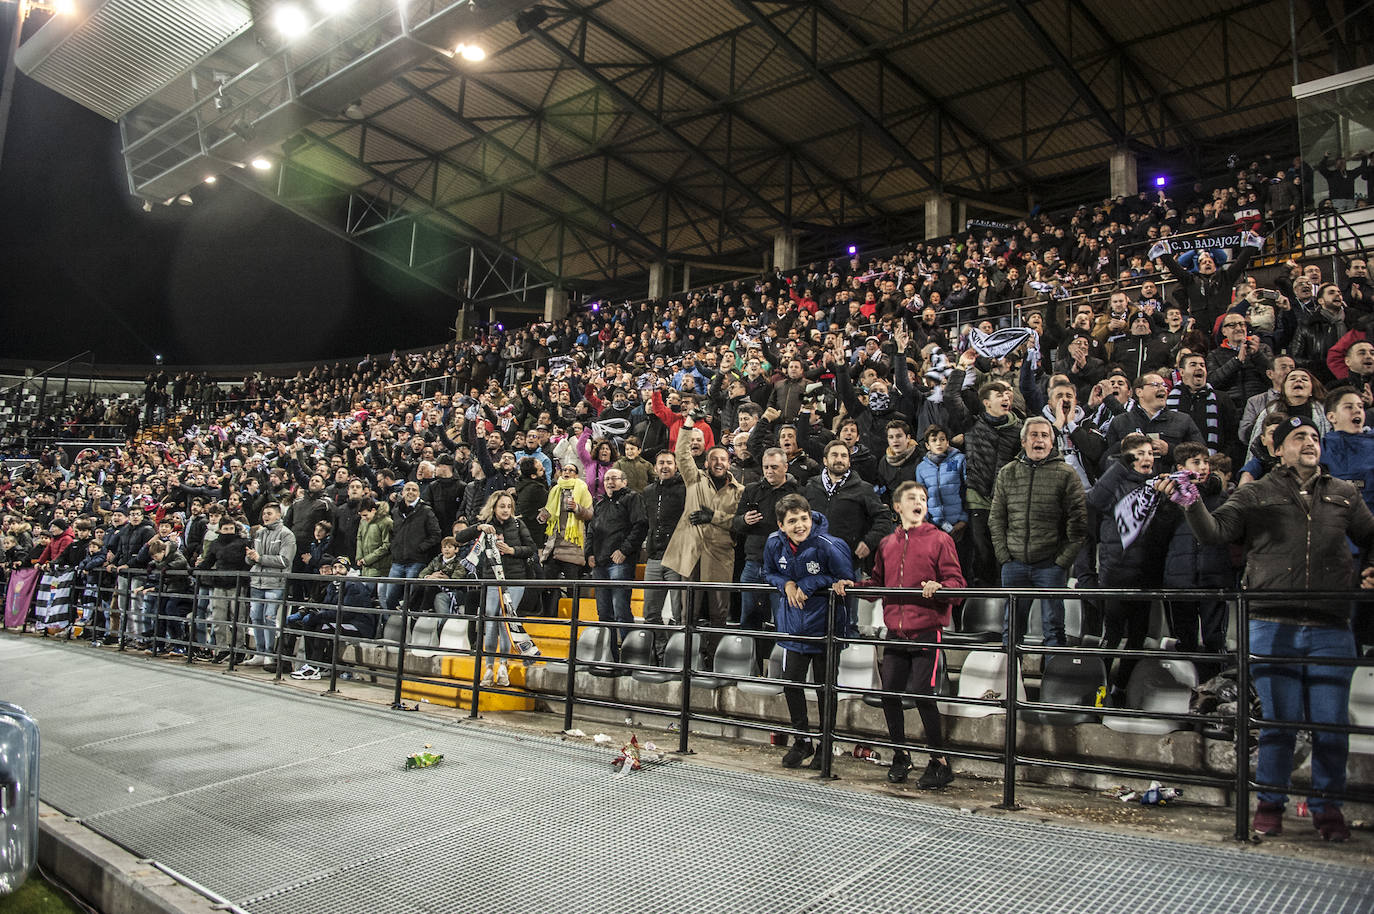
306	672
486	677
502	677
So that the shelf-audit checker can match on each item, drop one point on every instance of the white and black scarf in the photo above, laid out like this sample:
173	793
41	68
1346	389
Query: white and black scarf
830	483
1213	430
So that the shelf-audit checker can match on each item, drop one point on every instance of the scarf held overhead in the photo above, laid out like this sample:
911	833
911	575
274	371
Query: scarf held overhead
1000	343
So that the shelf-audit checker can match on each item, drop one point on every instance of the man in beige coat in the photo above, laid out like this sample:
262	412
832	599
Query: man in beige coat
701	548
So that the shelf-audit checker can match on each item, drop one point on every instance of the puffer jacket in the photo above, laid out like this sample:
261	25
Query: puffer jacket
663	503
373	556
1351	457
1290	546
1140	563
943	477
1038	512
987	449
276	547
814	565
909	557
1190	563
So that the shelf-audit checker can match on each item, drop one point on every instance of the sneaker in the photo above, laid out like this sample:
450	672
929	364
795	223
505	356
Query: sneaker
1268	819
220	657
801	750
1330	824
936	776
176	652
817	760
269	666
306	672
901	767
502	676
96	642
487	676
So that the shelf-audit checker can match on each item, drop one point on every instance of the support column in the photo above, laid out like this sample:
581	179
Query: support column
1125	182
686	277
785	251
555	304
939	216
960	216
658	280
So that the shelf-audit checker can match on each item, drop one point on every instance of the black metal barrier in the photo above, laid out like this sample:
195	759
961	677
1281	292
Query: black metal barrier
158	632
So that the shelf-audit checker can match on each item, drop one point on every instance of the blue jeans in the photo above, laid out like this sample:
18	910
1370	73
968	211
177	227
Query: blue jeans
263	616
1041	574
756	608
497	636
1314	692
613	603
390	594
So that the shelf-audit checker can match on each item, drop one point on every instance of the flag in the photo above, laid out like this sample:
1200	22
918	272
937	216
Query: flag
19	596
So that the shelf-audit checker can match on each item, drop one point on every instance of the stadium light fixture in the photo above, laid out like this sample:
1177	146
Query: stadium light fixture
64	7
262	164
472	53
1159	181
530	19
853	249
184	200
290	20
210	179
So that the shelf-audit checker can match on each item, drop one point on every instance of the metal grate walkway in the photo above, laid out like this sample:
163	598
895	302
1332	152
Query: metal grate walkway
289	803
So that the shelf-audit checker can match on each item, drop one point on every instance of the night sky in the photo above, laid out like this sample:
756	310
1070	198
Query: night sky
234	279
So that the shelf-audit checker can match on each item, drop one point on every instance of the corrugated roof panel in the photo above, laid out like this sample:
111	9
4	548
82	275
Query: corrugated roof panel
669	26
123	51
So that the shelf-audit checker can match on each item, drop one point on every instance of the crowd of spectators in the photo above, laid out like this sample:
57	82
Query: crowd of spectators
979	407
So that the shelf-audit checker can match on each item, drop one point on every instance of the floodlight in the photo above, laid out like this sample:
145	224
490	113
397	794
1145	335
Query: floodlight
470	52
262	164
853	249
1159	181
290	20
210	179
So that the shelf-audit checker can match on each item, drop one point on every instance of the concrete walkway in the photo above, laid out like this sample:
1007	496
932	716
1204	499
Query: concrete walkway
291	803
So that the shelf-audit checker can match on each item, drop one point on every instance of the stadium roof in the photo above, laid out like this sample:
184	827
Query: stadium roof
600	136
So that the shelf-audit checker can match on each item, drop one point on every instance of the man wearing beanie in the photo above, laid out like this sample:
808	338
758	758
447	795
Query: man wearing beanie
1294	523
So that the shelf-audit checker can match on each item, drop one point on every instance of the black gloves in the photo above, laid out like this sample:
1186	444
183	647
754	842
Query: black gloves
701	516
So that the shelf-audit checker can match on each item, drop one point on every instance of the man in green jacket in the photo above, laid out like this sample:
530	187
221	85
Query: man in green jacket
1038	521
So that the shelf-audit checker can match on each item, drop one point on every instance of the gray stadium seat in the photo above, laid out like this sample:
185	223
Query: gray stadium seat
771	669
735	656
980	621
1362	709
1068	680
982	672
1157	685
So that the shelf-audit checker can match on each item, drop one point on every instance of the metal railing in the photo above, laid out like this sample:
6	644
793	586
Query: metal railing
189	632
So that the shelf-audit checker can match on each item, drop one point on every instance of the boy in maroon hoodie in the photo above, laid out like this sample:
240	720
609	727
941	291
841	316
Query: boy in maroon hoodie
916	556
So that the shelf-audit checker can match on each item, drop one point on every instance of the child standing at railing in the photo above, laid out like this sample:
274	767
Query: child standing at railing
919	555
803	561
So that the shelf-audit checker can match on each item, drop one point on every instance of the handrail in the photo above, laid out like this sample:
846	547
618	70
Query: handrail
179	635
49	370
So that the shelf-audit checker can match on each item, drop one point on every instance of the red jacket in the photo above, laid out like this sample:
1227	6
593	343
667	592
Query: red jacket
908	557
56	546
674	422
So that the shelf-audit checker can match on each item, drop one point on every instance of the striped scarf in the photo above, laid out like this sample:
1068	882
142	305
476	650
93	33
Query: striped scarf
1213	430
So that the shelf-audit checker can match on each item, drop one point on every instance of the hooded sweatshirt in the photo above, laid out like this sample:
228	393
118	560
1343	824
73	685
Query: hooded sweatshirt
909	557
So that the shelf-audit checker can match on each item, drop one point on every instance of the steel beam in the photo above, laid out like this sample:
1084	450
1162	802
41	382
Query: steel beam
628	103
1037	33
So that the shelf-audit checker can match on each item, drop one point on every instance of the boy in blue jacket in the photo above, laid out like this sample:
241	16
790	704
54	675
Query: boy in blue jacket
803	562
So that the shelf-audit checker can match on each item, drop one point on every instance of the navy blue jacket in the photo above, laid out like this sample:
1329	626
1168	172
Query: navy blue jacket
814	566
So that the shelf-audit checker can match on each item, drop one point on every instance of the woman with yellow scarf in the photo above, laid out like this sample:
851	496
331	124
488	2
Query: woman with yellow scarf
566	514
